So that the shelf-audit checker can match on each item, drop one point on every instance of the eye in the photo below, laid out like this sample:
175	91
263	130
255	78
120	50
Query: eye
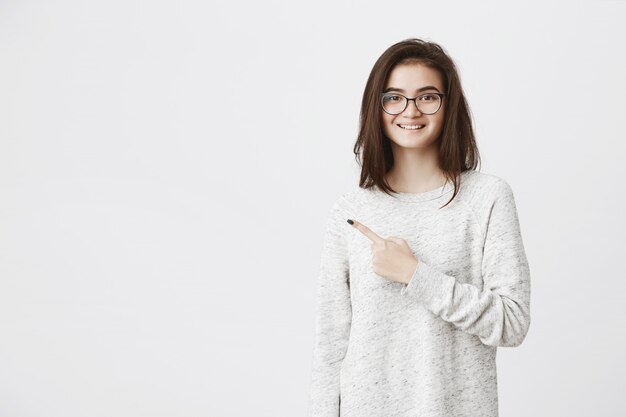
427	97
392	97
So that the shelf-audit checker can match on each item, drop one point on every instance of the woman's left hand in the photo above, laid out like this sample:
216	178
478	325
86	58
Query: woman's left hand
393	258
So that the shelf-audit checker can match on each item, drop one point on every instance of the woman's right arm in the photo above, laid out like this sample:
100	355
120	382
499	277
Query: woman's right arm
334	317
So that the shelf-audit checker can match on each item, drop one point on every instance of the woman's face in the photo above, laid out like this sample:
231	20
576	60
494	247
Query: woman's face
409	80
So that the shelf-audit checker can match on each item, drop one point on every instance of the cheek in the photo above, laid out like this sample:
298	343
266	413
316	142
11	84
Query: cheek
442	115
386	122
439	120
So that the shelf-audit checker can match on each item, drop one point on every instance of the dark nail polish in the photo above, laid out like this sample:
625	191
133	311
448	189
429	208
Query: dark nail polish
350	221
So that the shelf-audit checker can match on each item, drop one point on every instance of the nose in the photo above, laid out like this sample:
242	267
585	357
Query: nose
411	108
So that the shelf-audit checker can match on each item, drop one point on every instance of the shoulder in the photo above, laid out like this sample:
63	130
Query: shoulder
342	202
487	194
349	203
349	198
484	188
490	198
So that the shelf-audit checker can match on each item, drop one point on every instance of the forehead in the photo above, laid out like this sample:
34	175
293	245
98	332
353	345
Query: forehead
410	77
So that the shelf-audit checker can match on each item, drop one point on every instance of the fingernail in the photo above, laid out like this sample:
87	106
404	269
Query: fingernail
350	221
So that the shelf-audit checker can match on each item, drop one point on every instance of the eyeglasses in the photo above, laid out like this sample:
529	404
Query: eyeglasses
395	103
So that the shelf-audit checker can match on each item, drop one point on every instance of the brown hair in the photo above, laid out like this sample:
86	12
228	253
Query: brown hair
457	146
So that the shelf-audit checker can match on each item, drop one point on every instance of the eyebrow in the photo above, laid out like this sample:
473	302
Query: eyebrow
428	87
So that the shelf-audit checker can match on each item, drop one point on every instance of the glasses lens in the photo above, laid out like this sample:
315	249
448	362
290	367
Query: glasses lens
393	103
429	103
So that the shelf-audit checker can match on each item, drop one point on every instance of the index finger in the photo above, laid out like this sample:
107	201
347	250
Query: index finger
367	231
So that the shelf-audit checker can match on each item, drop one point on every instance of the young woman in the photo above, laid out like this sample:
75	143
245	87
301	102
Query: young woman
423	272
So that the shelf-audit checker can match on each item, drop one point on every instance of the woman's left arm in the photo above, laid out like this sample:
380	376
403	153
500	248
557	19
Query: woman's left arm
499	314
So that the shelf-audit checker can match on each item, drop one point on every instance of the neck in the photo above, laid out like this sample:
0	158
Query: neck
415	172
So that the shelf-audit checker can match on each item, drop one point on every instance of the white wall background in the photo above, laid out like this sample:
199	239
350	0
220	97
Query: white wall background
166	169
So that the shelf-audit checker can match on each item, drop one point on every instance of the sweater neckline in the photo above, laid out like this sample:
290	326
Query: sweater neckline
423	196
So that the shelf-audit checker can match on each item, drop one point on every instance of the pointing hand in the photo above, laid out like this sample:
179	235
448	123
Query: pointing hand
392	257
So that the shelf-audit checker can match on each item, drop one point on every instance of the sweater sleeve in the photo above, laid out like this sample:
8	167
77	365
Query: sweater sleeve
333	320
499	314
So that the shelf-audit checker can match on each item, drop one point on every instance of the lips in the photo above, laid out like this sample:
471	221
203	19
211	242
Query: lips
411	126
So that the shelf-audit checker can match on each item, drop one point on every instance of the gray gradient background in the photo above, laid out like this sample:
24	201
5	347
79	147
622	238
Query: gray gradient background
166	169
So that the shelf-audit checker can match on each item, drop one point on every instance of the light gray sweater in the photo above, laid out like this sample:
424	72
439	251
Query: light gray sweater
426	348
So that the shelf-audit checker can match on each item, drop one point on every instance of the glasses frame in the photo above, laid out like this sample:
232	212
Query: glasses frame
414	99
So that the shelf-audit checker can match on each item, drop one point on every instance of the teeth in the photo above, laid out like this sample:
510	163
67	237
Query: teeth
411	127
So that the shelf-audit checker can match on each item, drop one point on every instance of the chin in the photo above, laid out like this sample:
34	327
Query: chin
416	142
412	144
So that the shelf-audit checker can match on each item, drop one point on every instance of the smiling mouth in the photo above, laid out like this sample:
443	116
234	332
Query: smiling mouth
411	127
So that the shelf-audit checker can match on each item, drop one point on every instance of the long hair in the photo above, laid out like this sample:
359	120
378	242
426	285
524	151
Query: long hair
457	150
